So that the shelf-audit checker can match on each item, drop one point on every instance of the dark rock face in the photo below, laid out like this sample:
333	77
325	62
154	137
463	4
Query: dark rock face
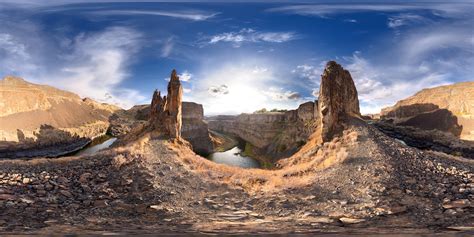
440	119
337	98
408	110
195	130
165	113
458	98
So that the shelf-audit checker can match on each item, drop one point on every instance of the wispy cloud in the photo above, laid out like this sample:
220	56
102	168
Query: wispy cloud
167	47
278	94
405	19
91	64
185	76
186	15
307	71
97	66
248	35
325	10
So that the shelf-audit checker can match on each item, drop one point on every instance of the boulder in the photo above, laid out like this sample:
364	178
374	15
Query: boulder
337	98
165	113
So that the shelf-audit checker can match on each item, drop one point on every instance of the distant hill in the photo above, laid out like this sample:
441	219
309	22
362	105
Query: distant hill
456	98
33	116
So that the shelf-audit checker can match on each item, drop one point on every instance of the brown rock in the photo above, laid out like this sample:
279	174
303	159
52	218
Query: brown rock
66	193
165	113
337	98
8	197
457	204
84	178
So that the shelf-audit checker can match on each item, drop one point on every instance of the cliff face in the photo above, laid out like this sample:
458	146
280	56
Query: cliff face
425	107
165	113
275	133
337	97
37	118
194	129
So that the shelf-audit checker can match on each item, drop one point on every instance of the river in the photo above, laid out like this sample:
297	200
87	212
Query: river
96	145
234	157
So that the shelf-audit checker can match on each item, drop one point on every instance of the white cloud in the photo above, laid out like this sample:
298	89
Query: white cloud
308	71
186	15
405	19
452	38
248	35
325	10
185	76
381	85
258	69
351	20
235	88
92	65
280	95
8	44
97	65
218	90
167	47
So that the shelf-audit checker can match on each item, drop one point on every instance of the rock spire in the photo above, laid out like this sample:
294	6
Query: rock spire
165	114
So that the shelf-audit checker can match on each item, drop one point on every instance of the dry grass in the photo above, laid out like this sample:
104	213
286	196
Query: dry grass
296	171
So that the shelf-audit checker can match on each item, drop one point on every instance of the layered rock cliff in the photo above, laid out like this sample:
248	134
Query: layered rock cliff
337	98
38	120
274	133
446	108
165	113
195	129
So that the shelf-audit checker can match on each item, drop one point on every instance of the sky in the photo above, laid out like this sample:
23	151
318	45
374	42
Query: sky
237	57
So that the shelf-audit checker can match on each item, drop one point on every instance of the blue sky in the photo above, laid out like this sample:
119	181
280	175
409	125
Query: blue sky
237	57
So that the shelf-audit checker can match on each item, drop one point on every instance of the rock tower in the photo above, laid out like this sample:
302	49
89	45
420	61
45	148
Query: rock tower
165	114
337	98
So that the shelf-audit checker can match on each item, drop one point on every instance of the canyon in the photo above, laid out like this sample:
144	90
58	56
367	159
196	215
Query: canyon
38	120
339	174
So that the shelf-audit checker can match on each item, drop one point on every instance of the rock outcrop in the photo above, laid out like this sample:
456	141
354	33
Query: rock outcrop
165	113
39	120
423	107
337	98
194	129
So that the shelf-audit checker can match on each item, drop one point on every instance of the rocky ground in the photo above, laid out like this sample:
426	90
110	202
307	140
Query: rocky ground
372	184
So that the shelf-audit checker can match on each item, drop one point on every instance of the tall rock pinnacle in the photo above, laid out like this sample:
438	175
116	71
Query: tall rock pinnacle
337	98
165	114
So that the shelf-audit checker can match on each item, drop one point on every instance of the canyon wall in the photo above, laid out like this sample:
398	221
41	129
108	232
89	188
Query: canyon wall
447	108
195	130
37	118
274	133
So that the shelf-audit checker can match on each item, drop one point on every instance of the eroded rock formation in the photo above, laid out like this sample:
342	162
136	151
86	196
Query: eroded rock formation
337	98
165	113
